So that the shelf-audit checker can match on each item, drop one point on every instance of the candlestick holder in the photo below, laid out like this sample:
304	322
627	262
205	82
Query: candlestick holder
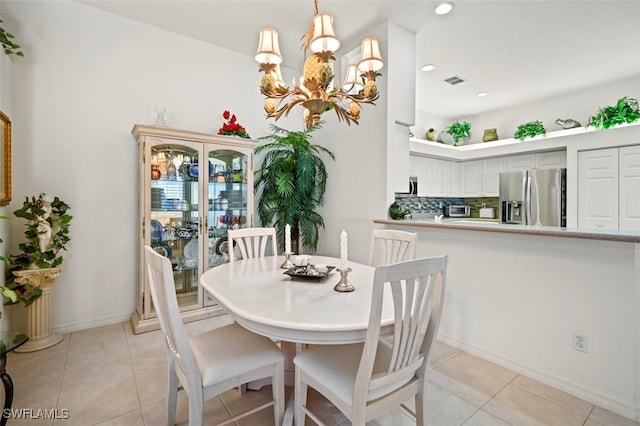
344	285
287	261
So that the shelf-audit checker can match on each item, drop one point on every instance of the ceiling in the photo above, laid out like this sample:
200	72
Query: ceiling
515	50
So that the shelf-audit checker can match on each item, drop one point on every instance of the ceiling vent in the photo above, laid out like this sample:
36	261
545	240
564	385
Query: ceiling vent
454	80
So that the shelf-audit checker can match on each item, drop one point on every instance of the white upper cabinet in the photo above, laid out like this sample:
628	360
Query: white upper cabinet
540	160
551	159
491	169
517	163
436	178
471	176
481	178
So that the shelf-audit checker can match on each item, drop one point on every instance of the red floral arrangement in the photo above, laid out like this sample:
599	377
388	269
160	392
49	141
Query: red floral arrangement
232	127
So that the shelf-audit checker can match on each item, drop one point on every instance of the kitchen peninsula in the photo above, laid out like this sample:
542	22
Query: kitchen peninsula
519	295
495	226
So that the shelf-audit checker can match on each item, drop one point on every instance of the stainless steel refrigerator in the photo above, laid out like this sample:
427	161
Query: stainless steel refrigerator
536	197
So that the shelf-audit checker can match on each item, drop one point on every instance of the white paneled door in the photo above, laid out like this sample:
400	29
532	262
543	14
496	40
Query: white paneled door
629	161
609	188
598	189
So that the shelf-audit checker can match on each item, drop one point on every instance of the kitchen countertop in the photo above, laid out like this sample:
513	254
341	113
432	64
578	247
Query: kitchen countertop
488	225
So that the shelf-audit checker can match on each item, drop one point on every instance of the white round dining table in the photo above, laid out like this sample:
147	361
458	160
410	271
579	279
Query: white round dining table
262	298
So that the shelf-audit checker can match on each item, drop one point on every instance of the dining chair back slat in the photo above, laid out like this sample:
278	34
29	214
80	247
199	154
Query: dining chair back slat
252	242
391	246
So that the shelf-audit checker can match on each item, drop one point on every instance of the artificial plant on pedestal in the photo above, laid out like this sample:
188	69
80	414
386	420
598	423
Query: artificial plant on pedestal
290	183
31	274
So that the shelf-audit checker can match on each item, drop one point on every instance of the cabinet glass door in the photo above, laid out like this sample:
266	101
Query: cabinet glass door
227	195
174	215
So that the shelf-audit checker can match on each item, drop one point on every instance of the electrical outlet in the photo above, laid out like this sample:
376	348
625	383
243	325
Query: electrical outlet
580	342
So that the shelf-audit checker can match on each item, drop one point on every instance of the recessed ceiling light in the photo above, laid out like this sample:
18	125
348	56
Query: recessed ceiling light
428	67
444	8
482	94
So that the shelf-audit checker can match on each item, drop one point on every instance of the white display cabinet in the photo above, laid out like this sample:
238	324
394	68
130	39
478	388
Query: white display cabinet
192	188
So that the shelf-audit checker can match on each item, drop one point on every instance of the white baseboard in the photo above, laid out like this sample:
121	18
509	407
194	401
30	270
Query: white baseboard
96	322
574	389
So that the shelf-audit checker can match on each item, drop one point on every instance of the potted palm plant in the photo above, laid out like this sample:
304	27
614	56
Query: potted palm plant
291	182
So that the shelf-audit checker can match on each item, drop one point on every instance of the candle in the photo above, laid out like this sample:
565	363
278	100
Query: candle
343	250
287	239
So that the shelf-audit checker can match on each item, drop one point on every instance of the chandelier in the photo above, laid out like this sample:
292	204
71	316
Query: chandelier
316	91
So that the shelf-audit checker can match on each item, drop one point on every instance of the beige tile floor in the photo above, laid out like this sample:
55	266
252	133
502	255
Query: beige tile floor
109	376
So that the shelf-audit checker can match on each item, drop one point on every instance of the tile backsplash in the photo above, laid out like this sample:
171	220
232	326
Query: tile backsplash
434	206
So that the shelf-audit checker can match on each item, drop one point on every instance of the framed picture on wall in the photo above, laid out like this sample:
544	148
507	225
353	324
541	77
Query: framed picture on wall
5	160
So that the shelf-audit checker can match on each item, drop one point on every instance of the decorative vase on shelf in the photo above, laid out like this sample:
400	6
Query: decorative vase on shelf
446	138
490	135
460	141
430	135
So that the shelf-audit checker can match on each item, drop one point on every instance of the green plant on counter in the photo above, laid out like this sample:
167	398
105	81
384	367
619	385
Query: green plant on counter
10	48
291	181
625	111
459	131
529	130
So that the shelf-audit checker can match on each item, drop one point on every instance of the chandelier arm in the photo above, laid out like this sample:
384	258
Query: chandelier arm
286	108
359	99
342	114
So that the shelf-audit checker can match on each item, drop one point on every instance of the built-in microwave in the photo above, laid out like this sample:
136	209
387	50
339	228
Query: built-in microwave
413	185
457	211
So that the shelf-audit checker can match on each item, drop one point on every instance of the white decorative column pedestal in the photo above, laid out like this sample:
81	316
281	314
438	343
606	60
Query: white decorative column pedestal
39	312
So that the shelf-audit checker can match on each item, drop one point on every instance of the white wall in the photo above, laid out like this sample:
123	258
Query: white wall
87	78
372	159
579	105
356	186
400	56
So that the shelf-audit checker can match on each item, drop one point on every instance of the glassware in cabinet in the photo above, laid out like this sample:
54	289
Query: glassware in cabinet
228	200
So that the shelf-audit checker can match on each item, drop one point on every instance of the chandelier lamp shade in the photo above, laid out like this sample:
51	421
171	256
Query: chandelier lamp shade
316	91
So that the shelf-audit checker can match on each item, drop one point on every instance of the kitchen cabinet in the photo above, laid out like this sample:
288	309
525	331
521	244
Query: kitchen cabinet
539	160
471	178
480	178
436	178
476	178
192	188
491	169
609	188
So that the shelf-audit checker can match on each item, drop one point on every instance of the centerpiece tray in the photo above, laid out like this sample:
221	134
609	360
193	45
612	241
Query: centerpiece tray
308	272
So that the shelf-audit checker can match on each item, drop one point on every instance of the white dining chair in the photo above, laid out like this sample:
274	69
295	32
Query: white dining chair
252	242
212	362
366	380
391	246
